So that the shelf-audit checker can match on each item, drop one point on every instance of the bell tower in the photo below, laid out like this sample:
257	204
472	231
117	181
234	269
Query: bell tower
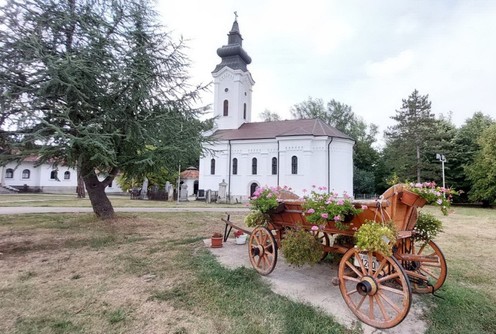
232	82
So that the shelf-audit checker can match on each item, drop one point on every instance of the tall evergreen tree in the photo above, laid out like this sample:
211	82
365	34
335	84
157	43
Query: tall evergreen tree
97	85
408	141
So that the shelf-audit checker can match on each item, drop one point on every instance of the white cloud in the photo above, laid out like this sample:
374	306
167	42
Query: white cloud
390	66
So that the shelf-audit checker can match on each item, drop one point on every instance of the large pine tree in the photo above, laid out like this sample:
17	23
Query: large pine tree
97	85
409	142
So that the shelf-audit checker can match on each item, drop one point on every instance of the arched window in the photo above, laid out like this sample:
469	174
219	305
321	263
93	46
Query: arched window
294	164
253	188
212	167
274	166
254	166
235	166
244	111
53	175
26	174
67	175
9	173
226	107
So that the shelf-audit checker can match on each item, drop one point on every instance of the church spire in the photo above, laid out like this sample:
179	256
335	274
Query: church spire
233	55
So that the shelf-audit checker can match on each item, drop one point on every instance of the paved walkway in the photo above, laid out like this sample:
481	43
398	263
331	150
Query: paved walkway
19	210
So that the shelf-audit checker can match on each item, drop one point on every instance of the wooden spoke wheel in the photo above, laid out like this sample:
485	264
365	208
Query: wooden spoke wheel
323	238
262	250
374	287
426	269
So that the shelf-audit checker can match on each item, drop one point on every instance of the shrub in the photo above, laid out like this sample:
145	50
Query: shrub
427	227
301	247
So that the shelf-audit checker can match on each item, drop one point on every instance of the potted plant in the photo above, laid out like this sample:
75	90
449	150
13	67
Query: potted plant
300	247
418	194
240	237
216	240
427	227
321	208
376	237
266	200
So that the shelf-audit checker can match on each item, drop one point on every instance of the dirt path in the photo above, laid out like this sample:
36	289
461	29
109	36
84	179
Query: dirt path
21	210
312	285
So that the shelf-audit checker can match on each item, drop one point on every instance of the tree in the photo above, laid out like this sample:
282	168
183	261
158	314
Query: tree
465	146
269	116
407	141
482	172
96	85
309	109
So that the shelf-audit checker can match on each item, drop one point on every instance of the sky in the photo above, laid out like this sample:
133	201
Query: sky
367	54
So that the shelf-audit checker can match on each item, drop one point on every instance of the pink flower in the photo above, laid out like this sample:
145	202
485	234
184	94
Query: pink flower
315	228
439	201
304	190
310	211
364	207
340	202
324	188
337	218
325	215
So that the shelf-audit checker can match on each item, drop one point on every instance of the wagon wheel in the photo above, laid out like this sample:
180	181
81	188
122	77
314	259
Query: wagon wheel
378	294
262	250
323	238
429	271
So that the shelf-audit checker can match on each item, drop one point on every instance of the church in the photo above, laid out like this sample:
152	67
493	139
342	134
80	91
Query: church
295	153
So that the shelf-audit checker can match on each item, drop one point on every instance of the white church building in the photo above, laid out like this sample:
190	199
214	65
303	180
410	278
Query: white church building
293	153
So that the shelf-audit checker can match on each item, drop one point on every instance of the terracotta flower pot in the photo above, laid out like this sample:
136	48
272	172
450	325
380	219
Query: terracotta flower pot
216	242
412	199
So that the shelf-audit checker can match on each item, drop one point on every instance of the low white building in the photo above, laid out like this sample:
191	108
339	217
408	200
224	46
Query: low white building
43	178
293	153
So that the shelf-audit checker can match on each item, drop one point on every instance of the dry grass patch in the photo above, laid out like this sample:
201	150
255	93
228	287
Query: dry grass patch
72	273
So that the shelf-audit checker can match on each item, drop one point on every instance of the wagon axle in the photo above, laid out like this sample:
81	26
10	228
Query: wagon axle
367	286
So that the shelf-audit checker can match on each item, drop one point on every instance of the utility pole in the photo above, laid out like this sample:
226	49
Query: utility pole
442	158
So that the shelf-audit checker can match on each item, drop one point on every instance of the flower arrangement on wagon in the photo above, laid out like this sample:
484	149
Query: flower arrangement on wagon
321	208
264	200
376	237
433	194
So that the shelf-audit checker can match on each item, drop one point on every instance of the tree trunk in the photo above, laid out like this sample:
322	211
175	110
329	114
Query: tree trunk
96	191
81	192
418	163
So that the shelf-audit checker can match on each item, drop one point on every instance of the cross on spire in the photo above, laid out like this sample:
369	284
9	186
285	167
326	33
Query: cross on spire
235	15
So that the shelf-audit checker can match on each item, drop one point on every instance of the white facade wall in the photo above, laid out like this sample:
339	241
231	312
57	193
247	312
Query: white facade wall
239	92
40	178
314	167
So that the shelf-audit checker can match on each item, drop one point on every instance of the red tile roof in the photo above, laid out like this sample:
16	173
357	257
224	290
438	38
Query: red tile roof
267	130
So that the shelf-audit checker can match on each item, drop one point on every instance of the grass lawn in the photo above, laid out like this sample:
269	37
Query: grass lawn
150	273
62	200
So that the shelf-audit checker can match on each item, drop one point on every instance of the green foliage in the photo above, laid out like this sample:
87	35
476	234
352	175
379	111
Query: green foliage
427	227
301	247
323	207
256	218
376	237
269	116
465	147
411	143
99	86
482	172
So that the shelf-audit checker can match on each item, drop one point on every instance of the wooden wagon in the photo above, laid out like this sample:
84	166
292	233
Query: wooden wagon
377	288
